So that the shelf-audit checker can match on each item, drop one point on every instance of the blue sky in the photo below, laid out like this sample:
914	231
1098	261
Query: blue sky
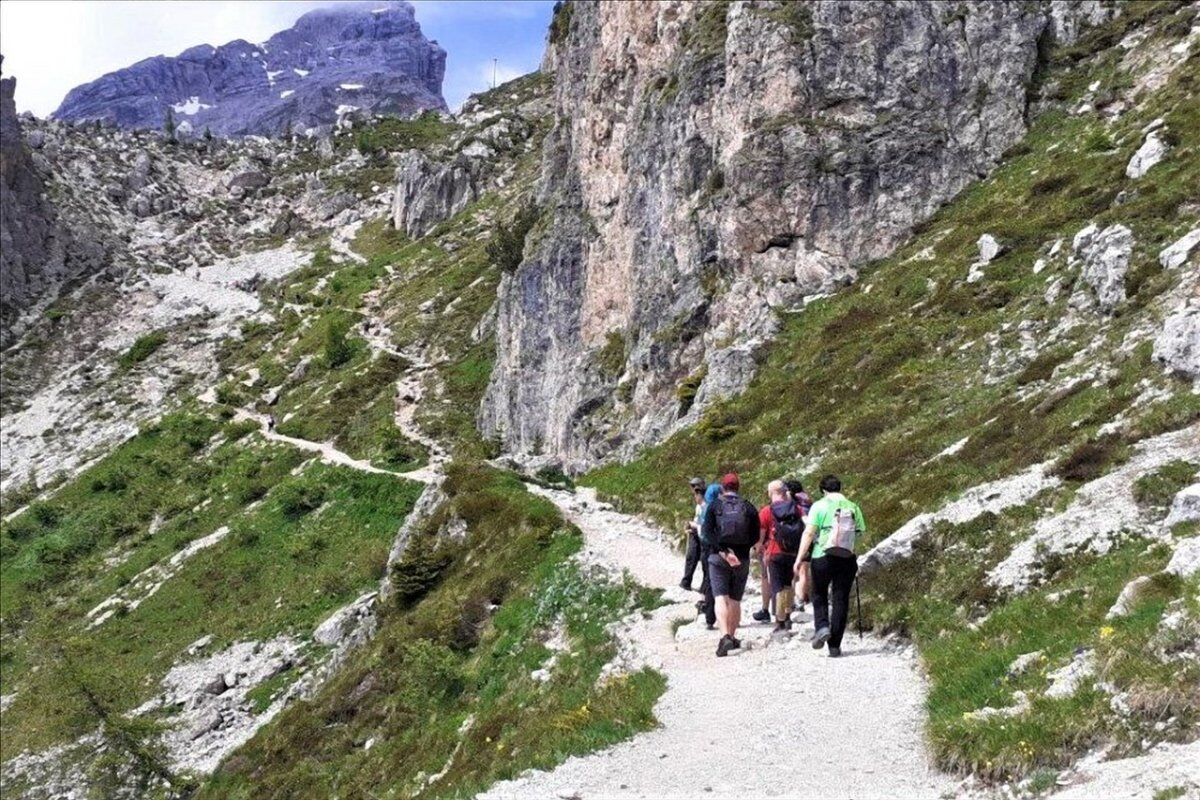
52	46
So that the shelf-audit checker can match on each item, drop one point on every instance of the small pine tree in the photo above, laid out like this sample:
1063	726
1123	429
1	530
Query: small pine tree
208	137
287	131
169	124
507	245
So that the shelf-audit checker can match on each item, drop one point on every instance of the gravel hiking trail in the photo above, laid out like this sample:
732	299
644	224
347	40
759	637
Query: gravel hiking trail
776	719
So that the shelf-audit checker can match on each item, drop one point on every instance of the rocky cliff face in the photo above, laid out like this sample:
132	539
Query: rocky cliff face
27	244
36	251
715	164
355	56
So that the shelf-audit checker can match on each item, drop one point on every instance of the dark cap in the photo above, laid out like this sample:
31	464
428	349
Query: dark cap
697	483
731	482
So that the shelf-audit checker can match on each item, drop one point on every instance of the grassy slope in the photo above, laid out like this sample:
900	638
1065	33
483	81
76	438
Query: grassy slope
441	656
446	683
316	540
874	382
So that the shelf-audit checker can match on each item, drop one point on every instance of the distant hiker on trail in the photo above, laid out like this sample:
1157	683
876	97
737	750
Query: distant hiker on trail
804	503
270	423
834	527
692	556
781	528
708	603
731	527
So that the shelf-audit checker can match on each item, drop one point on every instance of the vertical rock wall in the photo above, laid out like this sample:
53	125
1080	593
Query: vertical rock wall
712	164
31	252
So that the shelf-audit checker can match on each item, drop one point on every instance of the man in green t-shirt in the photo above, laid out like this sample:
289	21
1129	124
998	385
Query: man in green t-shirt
835	524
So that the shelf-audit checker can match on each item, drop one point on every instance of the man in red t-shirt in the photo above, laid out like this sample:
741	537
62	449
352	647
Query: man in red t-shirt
779	523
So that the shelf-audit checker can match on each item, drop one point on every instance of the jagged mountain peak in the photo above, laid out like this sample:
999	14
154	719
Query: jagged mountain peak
355	56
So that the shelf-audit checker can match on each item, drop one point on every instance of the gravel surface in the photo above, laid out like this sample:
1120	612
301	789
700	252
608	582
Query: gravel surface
775	720
1165	767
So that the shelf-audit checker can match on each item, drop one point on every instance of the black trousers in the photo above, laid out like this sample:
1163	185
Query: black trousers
710	605
692	558
832	577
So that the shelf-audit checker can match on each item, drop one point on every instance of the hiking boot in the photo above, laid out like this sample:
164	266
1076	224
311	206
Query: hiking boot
780	626
788	623
735	643
762	615
835	652
708	626
724	646
820	638
686	585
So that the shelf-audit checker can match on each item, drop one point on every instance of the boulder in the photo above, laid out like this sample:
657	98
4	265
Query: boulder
215	685
428	192
1185	507
1068	679
341	623
1129	595
1185	561
208	723
1177	346
249	179
1103	257
989	248
1152	151
284	223
139	176
1176	254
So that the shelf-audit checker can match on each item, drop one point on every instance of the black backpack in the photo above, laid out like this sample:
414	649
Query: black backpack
733	526
789	527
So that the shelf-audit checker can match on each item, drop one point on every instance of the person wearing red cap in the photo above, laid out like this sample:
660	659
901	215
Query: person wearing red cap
731	525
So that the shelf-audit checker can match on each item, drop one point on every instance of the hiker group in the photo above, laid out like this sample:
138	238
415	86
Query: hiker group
805	550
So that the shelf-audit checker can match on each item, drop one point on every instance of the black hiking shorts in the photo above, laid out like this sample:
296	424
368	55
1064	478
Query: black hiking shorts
726	580
781	568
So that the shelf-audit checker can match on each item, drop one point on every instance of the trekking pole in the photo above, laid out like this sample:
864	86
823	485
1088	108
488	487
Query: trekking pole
858	600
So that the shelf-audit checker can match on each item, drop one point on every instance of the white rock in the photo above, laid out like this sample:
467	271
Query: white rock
342	622
1177	346
1099	512
1068	679
1176	254
1185	562
989	248
1152	151
993	497
1185	507
1021	705
1022	663
1125	600
1104	256
198	645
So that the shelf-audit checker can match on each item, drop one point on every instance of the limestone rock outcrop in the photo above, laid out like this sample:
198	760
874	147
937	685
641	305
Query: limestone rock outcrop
714	164
351	57
37	252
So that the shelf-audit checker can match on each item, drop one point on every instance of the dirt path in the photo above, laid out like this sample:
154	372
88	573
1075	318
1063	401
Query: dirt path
777	719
